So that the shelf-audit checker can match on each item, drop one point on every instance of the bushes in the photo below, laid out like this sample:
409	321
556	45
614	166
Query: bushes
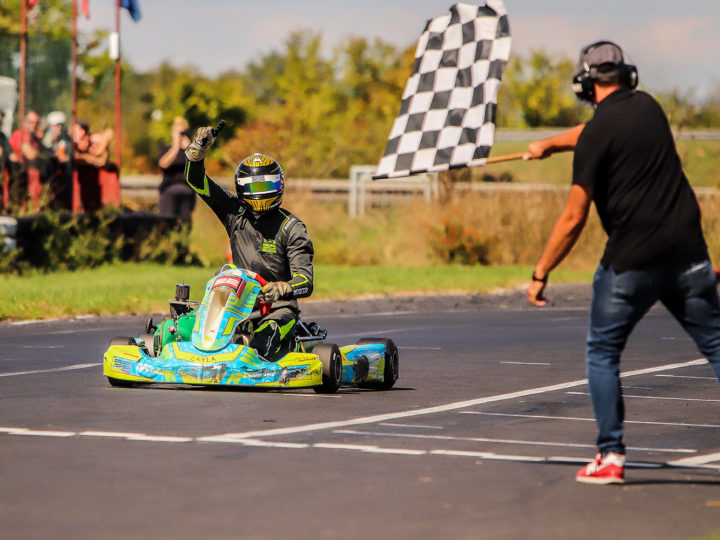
454	242
60	241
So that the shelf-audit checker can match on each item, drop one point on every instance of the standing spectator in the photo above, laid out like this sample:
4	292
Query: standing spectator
626	162
60	145
176	197
27	145
90	152
9	166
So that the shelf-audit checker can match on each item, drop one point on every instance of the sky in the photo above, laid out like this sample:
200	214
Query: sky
675	45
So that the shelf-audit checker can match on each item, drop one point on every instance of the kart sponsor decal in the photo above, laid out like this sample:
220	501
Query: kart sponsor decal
233	282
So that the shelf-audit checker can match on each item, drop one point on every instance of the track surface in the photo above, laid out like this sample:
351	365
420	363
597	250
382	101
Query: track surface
481	438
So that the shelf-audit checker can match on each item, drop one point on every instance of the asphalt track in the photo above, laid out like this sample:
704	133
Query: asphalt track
481	437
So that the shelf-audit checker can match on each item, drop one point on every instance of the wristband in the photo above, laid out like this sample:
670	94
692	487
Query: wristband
535	278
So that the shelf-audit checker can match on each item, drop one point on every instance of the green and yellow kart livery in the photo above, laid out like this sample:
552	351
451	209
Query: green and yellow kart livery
208	343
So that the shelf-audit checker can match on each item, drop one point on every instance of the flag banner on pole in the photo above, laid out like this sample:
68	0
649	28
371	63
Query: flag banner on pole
447	114
133	8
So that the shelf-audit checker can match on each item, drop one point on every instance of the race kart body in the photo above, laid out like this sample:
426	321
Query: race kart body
208	343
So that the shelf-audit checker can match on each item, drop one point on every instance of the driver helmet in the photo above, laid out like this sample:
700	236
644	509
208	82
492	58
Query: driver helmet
260	183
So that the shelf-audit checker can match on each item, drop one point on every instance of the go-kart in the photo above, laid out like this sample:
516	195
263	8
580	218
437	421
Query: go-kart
208	343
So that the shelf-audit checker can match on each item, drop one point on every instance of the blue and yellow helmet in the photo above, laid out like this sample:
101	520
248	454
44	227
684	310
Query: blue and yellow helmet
260	183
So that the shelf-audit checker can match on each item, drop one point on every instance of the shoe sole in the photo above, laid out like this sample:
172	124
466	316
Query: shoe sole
599	480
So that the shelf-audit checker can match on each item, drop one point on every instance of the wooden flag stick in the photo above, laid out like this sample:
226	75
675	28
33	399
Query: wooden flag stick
505	157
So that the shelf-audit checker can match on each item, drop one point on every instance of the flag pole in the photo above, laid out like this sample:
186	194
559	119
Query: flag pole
505	157
118	94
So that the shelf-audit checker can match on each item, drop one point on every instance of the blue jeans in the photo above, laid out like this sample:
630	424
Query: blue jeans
688	291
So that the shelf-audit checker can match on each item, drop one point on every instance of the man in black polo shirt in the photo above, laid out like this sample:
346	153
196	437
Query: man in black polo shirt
626	162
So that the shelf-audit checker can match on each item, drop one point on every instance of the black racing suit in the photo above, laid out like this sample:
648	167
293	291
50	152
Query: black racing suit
275	245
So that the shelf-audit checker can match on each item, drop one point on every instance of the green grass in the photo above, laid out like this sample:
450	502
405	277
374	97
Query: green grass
146	288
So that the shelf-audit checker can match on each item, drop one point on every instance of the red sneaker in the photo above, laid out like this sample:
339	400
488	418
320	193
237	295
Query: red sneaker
607	469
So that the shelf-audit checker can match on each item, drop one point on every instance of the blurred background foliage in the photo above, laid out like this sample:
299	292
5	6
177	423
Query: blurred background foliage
318	113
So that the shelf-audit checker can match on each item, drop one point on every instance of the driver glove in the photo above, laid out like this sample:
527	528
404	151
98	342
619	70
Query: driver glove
196	150
274	291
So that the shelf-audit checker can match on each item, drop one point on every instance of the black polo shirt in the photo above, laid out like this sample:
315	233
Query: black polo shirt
627	154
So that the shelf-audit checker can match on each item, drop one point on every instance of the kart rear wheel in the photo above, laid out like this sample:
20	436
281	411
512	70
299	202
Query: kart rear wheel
121	341
392	364
331	359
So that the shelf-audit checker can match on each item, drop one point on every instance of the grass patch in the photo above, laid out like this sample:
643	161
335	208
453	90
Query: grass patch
146	288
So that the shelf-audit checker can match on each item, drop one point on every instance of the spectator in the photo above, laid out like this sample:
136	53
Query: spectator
90	153
26	143
60	145
176	197
8	163
90	148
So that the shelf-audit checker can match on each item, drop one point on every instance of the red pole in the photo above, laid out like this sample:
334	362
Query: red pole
118	94
23	63
73	97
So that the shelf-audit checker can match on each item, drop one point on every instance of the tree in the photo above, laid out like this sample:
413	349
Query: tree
536	92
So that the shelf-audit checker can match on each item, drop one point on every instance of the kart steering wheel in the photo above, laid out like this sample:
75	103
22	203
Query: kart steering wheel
264	306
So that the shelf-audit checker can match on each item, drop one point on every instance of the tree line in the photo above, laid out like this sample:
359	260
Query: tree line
318	113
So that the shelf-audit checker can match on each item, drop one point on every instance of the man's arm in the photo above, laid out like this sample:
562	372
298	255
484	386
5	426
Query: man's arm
563	237
562	142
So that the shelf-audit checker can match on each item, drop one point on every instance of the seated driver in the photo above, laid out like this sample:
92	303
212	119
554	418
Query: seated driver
264	238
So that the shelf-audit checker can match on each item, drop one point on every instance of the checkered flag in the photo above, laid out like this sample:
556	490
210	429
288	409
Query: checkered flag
447	116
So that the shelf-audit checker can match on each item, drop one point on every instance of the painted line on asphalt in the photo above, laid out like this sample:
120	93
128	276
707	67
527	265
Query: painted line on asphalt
529	363
439	408
52	370
687	377
696	460
36	433
545	417
652	397
418	426
502	441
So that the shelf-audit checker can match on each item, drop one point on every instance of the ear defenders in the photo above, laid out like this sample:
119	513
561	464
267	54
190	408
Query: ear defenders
582	83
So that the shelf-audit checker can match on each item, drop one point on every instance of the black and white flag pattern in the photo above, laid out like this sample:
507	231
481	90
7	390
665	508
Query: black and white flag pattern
447	116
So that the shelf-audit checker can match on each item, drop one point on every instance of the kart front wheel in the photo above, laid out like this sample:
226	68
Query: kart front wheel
392	364
121	341
331	368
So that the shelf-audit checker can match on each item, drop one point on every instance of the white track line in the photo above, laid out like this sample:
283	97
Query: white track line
529	363
687	377
696	460
652	397
52	370
412	426
37	433
502	441
544	417
439	408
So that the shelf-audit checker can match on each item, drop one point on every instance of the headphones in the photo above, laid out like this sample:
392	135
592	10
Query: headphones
582	83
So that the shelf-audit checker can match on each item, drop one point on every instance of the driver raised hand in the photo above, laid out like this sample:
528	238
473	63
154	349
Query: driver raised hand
264	237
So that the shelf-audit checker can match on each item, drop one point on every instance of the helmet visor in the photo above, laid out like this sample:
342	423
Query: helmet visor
268	184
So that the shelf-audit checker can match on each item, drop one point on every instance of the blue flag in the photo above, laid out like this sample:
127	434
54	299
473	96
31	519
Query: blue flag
133	8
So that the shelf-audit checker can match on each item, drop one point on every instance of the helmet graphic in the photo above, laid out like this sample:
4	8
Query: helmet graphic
260	182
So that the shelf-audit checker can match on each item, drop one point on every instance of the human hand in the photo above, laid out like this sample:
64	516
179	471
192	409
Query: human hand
274	291
197	149
536	292
537	150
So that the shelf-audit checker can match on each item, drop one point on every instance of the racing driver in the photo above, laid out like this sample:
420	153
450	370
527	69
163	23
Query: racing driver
264	238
